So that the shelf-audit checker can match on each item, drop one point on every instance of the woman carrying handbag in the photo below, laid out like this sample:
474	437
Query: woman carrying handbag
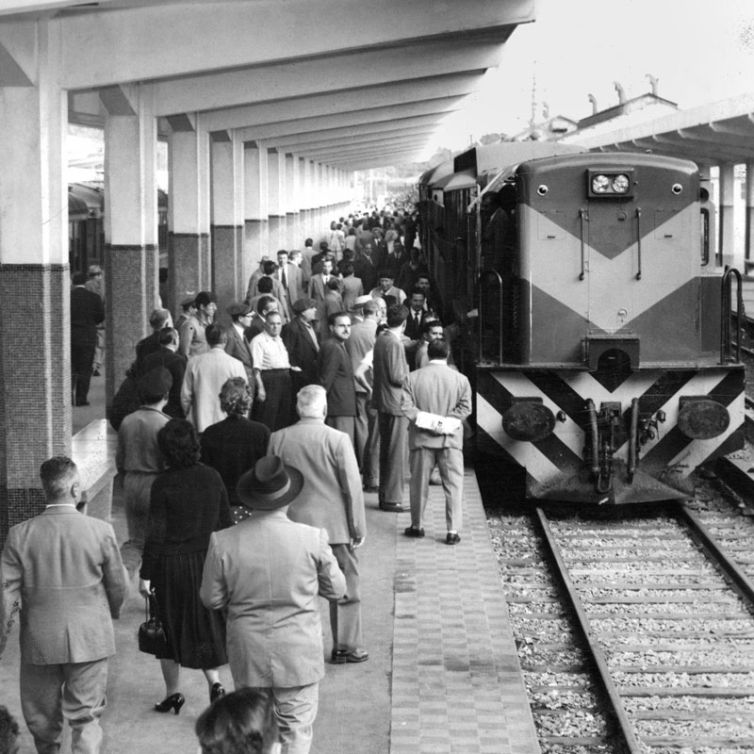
188	502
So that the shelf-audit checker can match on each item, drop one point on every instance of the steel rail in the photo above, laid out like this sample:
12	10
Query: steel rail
741	581
619	712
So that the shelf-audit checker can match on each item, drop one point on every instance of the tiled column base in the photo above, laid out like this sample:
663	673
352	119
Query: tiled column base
188	273
456	677
226	250
276	240
35	382
127	309
291	236
254	246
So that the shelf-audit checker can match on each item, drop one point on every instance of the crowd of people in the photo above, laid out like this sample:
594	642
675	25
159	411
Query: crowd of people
244	452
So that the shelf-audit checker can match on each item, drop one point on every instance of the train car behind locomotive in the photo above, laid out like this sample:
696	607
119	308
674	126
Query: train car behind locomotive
600	357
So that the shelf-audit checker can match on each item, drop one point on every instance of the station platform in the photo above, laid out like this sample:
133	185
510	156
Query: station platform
442	677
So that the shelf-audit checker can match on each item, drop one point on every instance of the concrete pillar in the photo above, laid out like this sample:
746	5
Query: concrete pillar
227	228
189	257
306	201
291	205
256	230
749	232
132	249
727	239
275	205
35	344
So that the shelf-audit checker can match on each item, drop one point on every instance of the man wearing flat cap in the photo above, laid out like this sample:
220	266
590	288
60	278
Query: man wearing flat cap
300	338
237	345
139	460
267	572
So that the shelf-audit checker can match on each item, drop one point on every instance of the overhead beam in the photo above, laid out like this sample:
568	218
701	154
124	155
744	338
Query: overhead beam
349	101
129	43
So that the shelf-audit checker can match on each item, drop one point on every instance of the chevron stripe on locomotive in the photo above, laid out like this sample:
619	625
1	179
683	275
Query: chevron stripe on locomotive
601	368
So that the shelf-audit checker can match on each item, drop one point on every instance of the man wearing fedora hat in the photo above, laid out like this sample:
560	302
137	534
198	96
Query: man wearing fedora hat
267	571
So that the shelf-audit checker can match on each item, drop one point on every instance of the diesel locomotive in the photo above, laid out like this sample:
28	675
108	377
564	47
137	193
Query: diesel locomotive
597	321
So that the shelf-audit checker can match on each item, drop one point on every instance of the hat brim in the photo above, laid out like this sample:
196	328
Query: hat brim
261	502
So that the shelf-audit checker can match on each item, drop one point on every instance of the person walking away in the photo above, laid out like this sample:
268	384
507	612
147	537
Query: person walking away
332	499
64	570
188	503
267	573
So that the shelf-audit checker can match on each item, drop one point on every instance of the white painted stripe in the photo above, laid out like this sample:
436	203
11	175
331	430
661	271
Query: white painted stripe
587	387
568	432
536	463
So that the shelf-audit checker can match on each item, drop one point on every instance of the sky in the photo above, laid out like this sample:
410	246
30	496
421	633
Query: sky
700	50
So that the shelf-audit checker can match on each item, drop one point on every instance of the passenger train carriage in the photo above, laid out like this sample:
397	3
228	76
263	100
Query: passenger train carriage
600	352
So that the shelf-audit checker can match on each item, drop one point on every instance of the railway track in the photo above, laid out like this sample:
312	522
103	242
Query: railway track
641	638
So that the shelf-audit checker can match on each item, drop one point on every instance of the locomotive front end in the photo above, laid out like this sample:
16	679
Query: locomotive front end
611	386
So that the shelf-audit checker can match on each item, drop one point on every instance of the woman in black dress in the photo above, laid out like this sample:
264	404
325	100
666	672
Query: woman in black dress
235	444
188	502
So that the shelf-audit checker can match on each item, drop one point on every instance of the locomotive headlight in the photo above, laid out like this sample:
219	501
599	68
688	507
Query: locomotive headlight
621	184
600	184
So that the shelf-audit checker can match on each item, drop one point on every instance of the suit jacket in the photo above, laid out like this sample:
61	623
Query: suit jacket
238	349
336	376
414	330
361	342
352	289
87	311
301	350
65	570
267	571
390	371
332	497
317	287
294	291
437	389
205	376
175	363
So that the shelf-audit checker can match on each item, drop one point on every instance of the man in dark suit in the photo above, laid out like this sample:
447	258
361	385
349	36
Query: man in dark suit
237	345
300	338
87	311
175	363
416	314
65	571
336	376
390	373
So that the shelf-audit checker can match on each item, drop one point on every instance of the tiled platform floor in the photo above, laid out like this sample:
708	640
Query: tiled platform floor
456	679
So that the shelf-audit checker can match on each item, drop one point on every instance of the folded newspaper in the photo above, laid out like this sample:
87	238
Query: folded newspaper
440	425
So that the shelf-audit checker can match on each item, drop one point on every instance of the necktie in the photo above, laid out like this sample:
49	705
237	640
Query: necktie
283	278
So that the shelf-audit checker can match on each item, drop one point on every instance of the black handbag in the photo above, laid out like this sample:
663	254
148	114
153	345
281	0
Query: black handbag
151	633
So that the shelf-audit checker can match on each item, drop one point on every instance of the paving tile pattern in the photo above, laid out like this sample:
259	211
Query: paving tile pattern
457	683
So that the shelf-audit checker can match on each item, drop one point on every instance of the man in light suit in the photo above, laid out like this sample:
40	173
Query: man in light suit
205	375
267	572
289	276
445	394
390	371
65	572
333	499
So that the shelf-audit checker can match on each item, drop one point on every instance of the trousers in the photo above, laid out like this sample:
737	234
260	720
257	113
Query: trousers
450	463
393	453
75	692
295	710
345	614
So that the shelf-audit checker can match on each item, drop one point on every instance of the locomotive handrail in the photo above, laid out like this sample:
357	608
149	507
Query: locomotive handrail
725	313
480	299
584	218
638	240
705	237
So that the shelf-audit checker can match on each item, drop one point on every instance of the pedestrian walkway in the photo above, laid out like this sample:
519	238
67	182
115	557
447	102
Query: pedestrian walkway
442	676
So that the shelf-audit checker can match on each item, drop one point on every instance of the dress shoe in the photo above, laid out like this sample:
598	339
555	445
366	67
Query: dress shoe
414	531
173	702
96	373
393	507
452	538
342	656
216	692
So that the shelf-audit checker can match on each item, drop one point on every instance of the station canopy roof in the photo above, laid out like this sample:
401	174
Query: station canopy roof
345	83
721	132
